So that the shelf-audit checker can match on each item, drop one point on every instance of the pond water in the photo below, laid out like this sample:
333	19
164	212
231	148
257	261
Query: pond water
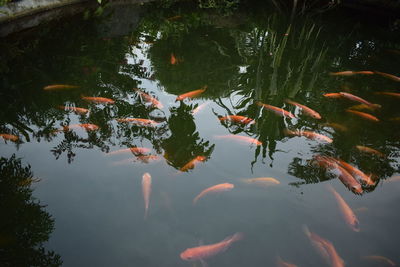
82	201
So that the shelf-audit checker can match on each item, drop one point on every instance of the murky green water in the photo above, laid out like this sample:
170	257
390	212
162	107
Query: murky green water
81	204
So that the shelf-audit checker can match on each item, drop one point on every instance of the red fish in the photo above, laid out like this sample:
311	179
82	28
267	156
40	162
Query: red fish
147	158
149	98
86	126
59	87
237	119
363	115
204	252
355	172
9	137
134	150
276	110
358	99
309	134
98	100
336	126
173	59
370	151
332	95
192	163
351	73
388	94
365	107
74	109
146	189
262	181
214	189
199	108
310	112
245	139
346	211
389	76
139	121
388	262
174	18
191	94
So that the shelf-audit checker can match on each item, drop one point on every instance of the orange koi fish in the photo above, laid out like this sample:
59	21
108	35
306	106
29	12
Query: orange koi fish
237	119
281	263
370	151
346	211
134	150
54	87
146	189
214	189
351	73
192	163
358	99
86	126
332	95
191	94
389	76
262	181
9	137
309	134
363	115
199	108
149	98
355	172
382	259
147	158
388	94
308	111
174	17
276	110
325	248
74	109
245	139
139	121
336	126
98	100
173	59
204	252
364	107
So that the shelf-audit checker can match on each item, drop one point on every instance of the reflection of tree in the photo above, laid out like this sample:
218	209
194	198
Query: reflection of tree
24	224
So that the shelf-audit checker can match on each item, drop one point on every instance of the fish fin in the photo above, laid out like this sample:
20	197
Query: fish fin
306	230
201	242
203	263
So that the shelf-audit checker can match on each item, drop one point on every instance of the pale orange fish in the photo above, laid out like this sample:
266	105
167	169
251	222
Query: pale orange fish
364	107
139	121
282	263
262	181
192	163
389	76
363	115
358	99
199	108
379	258
355	172
214	189
241	138
9	137
276	110
191	94
204	252
309	134
351	73
325	248
388	94
98	100
395	119
86	126
394	179
147	158
74	109
146	189
332	95
237	119
173	59
174	17
59	87
310	112
347	212
370	151
336	126
134	150
149	98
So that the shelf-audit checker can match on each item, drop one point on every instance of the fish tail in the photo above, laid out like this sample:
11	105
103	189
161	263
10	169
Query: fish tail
306	230
236	237
146	212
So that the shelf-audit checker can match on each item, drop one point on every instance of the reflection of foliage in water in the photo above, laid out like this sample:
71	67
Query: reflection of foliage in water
24	225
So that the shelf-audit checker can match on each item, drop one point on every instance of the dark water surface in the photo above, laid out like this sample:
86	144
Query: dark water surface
82	205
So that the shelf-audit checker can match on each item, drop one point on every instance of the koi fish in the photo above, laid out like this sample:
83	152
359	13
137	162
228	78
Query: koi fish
351	73
281	263
191	94
358	99
98	100
74	109
173	59
149	98
199	108
134	150
346	211
174	17
192	163
309	134
380	258
204	252
86	126
139	121
364	107
336	126
370	151
237	119
355	172
214	189
388	94
276	110
9	137
262	181
325	248
310	112
146	189
363	115
389	76
54	87
332	95
245	139
394	179
147	158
